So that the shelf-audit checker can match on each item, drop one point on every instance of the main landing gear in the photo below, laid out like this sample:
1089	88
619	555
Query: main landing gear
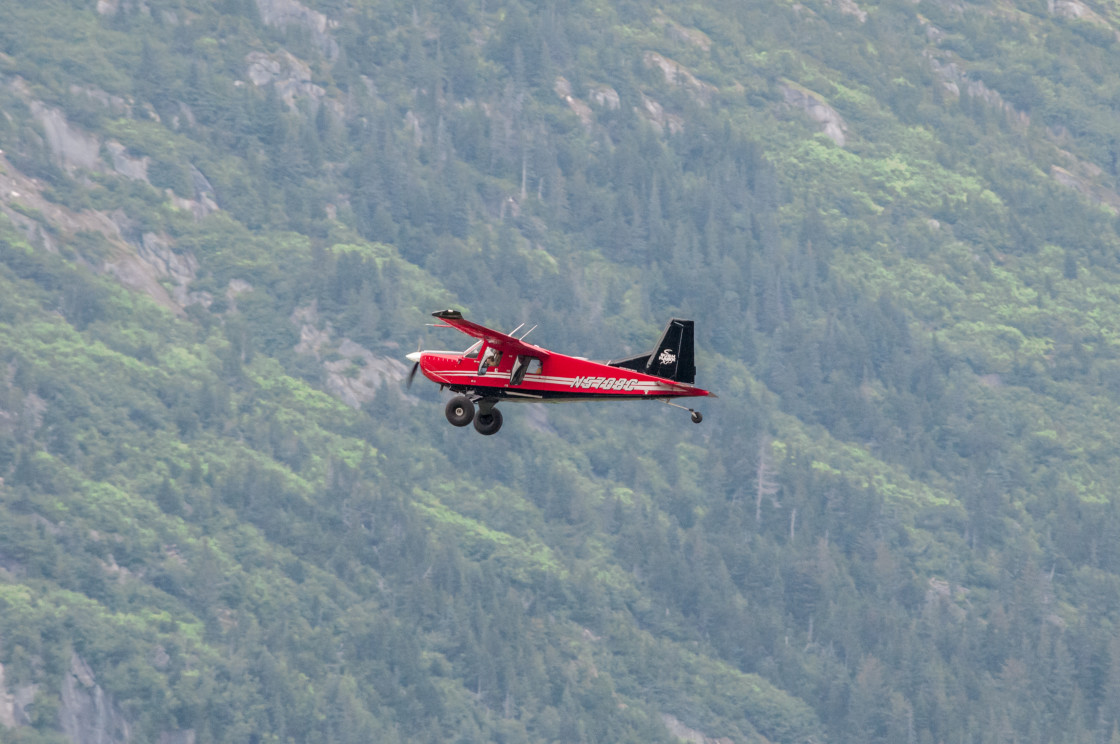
488	423
460	412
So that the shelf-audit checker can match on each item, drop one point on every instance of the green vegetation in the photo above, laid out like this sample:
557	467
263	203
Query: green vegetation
895	224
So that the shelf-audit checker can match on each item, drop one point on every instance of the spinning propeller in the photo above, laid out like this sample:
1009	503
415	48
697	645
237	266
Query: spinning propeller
414	357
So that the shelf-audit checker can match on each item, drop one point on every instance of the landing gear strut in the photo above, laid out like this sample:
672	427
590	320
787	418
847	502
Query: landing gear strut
697	417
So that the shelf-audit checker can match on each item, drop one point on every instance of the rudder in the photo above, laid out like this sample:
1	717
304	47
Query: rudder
672	357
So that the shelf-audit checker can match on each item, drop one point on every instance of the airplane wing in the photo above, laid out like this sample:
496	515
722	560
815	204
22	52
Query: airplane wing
502	341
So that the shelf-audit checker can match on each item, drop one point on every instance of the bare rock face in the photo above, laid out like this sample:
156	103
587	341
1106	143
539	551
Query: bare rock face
72	147
1077	10
848	7
656	115
955	79
293	13
354	373
1087	186
580	108
76	149
127	166
684	733
151	260
88	714
356	378
291	77
679	76
683	34
137	261
15	706
605	96
832	124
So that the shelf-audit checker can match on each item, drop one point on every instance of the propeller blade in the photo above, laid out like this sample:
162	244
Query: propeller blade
414	357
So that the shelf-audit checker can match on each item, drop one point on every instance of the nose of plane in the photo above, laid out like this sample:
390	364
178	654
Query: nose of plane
413	357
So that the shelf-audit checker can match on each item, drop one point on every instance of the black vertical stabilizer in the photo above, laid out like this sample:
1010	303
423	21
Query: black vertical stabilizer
672	358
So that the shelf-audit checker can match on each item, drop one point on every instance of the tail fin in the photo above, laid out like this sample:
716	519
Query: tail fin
672	358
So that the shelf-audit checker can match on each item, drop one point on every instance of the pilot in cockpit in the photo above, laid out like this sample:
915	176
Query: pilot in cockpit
491	358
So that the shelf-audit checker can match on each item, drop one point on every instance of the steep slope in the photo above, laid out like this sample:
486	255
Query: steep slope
223	224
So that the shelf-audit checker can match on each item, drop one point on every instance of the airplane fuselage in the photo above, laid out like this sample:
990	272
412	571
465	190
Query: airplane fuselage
557	378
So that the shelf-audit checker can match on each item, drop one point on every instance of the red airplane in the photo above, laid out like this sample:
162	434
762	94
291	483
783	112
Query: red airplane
500	366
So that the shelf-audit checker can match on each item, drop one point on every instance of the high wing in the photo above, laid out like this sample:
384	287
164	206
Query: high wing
503	342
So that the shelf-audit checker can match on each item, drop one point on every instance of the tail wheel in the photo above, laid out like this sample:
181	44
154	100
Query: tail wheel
488	423
697	417
459	410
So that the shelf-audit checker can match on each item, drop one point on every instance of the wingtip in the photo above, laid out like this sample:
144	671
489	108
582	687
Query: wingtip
448	314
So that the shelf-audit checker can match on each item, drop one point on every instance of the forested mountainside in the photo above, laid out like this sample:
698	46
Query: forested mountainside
223	518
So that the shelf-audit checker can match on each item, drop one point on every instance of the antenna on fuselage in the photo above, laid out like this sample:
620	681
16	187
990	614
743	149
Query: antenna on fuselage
526	333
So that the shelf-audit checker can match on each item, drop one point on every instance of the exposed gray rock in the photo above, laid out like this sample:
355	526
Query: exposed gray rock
847	7
678	75
112	7
417	127
74	148
291	77
677	32
956	79
354	373
233	289
129	167
115	104
356	378
690	735
655	114
87	714
204	202
563	88
1076	10
605	96
15	706
832	124
1085	186
292	13
71	147
152	261
177	737
138	261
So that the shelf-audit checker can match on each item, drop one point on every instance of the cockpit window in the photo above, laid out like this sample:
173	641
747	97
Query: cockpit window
472	352
491	358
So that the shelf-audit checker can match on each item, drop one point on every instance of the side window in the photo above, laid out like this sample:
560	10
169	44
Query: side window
472	352
522	366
